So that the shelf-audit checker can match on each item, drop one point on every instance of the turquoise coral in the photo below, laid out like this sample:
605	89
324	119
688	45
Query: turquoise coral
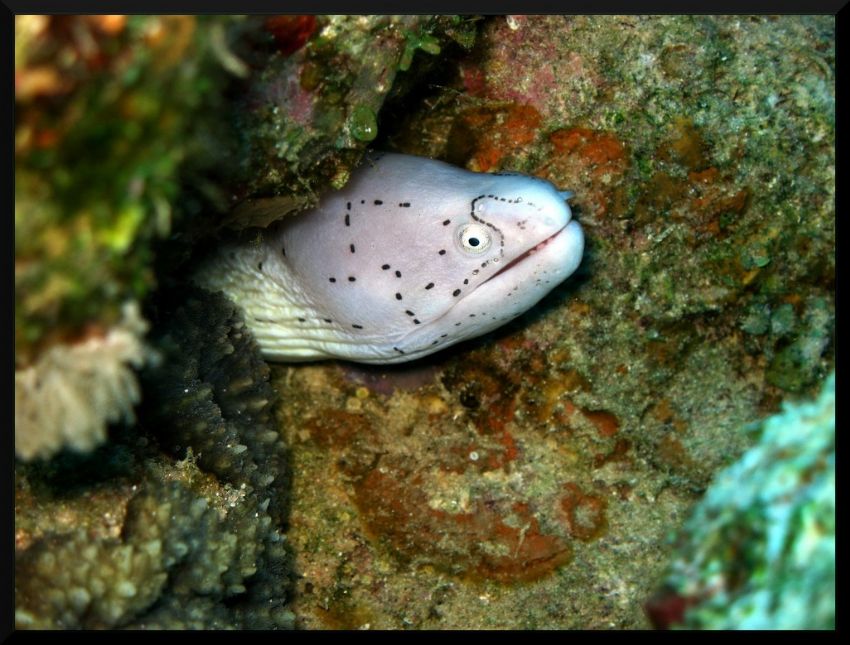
760	550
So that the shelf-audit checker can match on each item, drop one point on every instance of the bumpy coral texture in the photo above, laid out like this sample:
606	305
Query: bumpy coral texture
200	545
211	394
176	548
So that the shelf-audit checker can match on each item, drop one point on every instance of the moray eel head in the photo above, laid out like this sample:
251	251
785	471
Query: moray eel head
412	256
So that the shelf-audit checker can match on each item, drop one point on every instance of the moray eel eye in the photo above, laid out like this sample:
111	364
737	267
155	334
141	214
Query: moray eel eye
473	238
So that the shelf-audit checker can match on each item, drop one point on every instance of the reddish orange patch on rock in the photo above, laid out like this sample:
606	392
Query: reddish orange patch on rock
585	514
474	79
479	456
337	428
589	162
445	495
482	137
704	199
707	201
350	434
709	208
529	553
599	150
290	33
508	442
549	402
605	422
494	539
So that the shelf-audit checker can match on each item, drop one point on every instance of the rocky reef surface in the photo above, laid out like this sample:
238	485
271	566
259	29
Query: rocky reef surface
534	478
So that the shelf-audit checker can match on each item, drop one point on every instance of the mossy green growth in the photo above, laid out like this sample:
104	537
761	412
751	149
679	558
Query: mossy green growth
759	551
462	30
414	41
102	134
305	118
797	364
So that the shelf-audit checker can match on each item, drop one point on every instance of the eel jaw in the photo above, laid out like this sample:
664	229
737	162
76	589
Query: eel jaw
569	244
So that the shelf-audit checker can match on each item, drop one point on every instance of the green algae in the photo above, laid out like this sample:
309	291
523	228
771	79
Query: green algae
100	144
414	41
292	131
363	124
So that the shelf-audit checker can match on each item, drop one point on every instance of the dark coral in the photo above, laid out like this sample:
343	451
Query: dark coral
184	558
211	394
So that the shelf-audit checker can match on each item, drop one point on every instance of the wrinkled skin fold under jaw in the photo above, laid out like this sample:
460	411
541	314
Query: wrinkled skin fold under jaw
383	270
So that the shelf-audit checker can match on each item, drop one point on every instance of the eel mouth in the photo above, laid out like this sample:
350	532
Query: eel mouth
521	258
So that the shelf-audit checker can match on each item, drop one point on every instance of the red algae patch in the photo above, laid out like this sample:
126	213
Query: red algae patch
592	162
485	138
600	151
482	537
290	33
337	428
605	422
585	513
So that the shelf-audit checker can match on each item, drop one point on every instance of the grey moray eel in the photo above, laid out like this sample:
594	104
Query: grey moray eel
412	256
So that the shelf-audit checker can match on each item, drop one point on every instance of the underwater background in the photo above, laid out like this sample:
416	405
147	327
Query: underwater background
651	445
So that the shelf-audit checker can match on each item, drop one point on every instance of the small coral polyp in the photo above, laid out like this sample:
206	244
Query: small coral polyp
585	514
72	392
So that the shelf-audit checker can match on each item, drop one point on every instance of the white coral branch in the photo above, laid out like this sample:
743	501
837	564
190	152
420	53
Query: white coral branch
67	398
